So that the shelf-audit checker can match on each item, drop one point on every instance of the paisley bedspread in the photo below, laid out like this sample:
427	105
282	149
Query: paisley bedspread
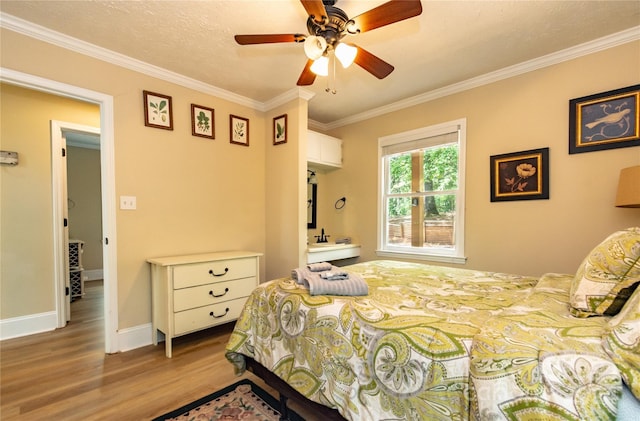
430	343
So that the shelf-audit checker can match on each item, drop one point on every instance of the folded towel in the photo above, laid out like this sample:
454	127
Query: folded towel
353	285
299	274
319	267
334	276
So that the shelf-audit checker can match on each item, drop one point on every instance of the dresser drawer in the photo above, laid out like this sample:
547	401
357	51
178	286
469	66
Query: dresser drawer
216	271
203	317
186	298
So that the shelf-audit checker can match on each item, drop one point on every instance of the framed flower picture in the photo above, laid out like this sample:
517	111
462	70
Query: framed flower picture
239	130
280	130
158	111
202	121
520	175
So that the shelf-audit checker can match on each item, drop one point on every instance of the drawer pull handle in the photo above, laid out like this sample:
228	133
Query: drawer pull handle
211	272
222	315
219	295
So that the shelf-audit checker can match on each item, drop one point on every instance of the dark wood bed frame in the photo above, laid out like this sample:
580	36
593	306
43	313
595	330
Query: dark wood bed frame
287	392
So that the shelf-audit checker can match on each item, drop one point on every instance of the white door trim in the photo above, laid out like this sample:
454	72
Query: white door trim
60	230
107	183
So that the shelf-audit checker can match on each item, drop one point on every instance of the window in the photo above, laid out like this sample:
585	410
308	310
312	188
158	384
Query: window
421	200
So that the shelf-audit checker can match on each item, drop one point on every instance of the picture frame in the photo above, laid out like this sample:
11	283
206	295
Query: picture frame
238	130
520	175
203	121
158	110
280	130
607	120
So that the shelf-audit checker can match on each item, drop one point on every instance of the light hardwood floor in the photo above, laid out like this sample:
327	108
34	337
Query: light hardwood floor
65	374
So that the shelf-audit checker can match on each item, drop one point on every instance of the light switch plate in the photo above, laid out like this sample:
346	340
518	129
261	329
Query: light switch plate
127	202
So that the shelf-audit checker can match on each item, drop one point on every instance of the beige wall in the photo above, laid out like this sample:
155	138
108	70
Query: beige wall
85	203
285	191
197	195
525	112
193	194
26	243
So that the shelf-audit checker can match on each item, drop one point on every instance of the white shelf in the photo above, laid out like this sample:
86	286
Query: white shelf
327	253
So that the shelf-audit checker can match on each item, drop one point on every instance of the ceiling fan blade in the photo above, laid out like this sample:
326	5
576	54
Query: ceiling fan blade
315	8
268	38
372	64
307	77
387	13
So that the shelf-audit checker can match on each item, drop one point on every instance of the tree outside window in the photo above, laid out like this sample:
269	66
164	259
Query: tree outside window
421	195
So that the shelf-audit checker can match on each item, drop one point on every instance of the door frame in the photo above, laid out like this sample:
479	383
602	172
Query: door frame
107	163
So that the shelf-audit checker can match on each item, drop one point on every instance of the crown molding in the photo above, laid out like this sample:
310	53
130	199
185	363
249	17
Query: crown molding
316	125
610	41
41	33
287	96
46	35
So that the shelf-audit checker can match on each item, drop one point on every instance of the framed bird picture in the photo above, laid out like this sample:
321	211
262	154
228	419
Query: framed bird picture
606	120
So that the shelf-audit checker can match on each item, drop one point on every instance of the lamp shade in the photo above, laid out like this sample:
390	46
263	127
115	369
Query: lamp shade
629	188
321	66
346	54
314	47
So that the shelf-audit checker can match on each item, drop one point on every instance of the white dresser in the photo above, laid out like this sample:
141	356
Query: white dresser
195	292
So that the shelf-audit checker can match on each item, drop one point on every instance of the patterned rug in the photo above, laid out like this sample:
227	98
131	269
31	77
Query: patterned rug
243	400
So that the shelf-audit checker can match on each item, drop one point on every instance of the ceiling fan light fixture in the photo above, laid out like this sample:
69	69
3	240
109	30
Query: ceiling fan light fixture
314	47
321	66
346	54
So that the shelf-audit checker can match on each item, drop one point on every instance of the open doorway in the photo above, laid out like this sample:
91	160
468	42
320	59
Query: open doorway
79	187
84	203
39	320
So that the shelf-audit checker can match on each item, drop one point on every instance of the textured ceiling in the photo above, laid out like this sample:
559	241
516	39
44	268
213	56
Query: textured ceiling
452	41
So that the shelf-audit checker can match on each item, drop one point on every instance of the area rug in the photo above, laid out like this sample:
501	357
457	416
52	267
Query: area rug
243	400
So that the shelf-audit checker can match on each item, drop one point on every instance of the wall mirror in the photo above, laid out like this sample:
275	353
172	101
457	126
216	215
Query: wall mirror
312	196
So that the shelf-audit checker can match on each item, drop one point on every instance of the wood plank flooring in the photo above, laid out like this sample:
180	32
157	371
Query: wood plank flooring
65	374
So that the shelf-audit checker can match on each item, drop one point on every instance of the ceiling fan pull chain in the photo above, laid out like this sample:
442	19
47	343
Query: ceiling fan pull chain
333	77
331	80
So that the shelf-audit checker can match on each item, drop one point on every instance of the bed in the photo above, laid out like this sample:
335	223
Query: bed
430	342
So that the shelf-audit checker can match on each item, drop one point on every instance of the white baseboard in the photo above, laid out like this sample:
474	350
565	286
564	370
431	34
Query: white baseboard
28	325
93	274
128	339
134	337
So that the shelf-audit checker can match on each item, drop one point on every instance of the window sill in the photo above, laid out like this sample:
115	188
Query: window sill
425	257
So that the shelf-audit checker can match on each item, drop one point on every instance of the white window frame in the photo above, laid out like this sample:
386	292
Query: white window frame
455	254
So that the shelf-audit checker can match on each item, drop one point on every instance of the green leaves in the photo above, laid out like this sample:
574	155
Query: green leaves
203	121
160	109
239	130
279	131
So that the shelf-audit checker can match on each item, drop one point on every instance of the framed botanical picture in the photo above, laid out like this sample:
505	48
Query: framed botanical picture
158	111
280	130
239	130
202	121
606	120
520	175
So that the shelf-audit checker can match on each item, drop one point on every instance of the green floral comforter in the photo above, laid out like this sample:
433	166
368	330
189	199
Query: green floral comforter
431	342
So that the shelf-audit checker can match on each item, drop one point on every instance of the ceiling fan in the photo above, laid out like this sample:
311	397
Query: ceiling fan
328	25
